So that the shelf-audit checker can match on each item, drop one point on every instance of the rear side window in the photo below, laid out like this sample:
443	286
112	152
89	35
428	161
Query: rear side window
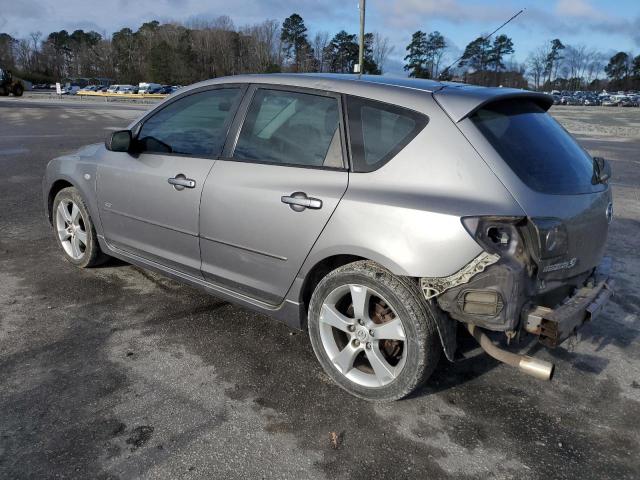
543	155
378	131
291	128
192	125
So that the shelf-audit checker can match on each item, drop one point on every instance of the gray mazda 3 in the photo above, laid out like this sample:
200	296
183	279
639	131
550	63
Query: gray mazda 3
378	214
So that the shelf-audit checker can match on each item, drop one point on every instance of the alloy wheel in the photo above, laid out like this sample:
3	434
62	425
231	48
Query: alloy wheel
70	226
362	335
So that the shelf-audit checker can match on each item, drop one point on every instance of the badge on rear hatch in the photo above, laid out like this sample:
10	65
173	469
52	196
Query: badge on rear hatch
561	266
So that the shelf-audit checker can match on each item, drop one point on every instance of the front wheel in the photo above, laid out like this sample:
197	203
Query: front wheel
373	332
18	90
74	230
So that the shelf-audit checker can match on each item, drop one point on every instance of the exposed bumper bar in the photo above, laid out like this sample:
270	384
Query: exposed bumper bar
554	326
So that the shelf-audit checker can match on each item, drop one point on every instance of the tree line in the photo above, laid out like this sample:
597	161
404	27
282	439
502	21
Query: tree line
551	66
175	53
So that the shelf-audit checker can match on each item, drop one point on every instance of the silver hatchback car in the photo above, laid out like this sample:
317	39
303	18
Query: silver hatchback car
380	214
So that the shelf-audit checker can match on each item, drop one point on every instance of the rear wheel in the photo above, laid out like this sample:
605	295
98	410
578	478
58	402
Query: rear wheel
373	332
74	230
18	90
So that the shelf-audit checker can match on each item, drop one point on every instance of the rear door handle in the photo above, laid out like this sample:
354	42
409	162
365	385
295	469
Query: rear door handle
180	182
298	201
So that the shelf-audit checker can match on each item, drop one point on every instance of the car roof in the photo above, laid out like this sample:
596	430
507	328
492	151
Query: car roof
458	100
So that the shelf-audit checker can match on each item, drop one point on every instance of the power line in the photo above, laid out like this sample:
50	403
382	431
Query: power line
487	37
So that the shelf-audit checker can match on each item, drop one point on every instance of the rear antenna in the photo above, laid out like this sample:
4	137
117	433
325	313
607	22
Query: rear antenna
487	37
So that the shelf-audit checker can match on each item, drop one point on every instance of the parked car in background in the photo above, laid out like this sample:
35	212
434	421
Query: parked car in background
609	102
165	90
329	202
113	88
70	90
122	89
627	102
145	87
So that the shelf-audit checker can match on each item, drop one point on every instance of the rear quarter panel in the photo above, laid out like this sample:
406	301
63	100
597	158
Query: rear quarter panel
406	215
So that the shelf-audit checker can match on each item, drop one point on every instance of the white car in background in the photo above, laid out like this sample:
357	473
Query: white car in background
70	90
144	87
122	89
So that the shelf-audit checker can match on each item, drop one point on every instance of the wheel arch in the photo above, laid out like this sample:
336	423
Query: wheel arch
446	326
316	273
51	195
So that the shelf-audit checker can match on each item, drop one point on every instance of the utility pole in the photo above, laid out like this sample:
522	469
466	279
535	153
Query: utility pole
361	50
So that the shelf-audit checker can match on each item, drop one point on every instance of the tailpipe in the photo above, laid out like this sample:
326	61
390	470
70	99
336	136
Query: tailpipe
529	365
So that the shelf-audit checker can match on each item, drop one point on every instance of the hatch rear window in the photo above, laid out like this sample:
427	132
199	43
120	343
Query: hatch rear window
537	148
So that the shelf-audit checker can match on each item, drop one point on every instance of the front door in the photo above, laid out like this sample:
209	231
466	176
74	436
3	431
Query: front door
264	206
149	200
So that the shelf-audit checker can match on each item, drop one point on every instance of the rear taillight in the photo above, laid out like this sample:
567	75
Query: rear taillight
549	237
497	235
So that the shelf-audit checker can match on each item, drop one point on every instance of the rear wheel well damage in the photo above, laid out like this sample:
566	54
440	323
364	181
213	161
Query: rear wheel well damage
446	326
317	273
53	191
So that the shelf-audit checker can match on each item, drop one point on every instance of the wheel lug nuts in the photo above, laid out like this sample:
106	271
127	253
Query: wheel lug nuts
352	328
356	343
360	321
368	345
371	333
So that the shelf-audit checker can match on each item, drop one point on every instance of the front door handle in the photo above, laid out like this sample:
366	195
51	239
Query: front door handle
180	182
298	201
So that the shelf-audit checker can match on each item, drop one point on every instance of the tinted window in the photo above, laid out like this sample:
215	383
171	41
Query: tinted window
536	147
291	128
193	125
379	131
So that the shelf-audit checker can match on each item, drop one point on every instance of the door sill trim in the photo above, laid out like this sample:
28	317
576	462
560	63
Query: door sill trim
137	259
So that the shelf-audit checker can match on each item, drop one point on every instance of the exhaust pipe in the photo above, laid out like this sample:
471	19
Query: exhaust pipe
529	365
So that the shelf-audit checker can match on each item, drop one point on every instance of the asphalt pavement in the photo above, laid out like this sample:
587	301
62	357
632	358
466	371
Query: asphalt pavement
119	373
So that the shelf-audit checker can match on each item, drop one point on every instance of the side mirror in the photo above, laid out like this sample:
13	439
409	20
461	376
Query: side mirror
119	141
602	169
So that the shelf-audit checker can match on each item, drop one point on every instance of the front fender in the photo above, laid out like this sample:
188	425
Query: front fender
78	171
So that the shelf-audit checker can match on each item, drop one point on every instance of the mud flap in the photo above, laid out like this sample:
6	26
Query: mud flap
447	328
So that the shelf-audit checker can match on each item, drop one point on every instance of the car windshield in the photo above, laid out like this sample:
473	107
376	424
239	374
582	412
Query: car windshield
543	155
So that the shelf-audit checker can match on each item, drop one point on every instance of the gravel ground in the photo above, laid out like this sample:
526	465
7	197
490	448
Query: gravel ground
117	372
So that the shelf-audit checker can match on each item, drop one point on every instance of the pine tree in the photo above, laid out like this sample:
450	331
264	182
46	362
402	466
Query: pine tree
502	45
296	47
417	56
476	54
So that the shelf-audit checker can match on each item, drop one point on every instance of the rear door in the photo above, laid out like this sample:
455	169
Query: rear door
149	201
267	200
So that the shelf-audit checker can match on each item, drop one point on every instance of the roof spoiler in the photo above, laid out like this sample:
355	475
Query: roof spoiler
460	102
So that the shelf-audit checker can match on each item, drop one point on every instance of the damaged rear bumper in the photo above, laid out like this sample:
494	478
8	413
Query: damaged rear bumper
554	326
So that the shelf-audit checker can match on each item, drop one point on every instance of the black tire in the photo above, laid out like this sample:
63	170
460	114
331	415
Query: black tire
18	90
92	255
423	347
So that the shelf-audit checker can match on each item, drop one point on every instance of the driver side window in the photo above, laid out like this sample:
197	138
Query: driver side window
193	125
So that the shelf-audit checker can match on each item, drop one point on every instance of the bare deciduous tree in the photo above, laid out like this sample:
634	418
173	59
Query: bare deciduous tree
381	50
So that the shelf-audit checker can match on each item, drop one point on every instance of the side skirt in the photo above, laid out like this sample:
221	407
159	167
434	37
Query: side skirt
287	312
